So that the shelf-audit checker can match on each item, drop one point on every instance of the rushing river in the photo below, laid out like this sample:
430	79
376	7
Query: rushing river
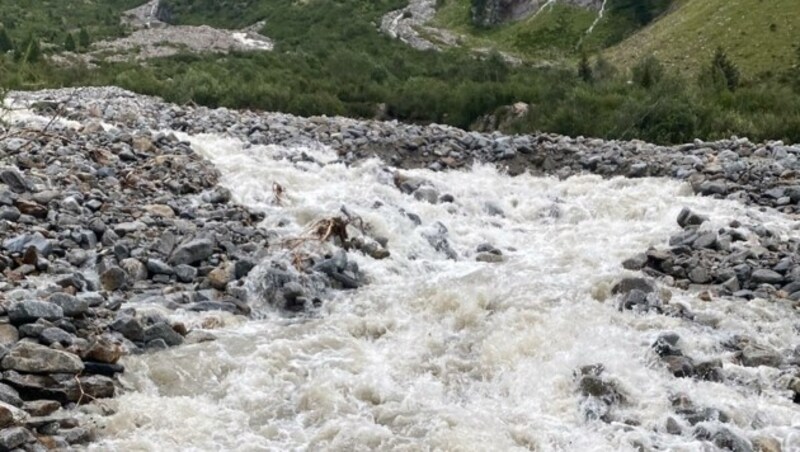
437	354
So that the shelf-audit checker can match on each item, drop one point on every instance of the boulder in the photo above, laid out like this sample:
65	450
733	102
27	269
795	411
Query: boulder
192	252
29	311
34	358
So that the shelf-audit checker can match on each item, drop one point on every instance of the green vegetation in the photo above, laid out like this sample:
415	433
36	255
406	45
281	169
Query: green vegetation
557	33
758	34
330	59
51	20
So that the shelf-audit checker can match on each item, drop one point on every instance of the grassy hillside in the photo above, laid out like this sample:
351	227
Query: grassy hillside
556	33
758	34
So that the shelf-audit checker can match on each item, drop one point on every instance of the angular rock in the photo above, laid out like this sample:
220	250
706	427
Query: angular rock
192	252
11	415
113	278
766	276
163	331
34	358
11	438
32	310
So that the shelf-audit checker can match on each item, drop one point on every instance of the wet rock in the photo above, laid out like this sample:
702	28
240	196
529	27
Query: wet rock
709	370
129	327
11	415
221	276
725	439
688	218
628	284
192	252
427	194
489	258
104	350
95	368
673	427
41	407
679	366
667	345
636	262
11	438
34	358
767	444
32	310
754	356
163	331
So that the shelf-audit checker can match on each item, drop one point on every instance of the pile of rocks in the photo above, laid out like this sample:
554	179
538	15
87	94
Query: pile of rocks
98	227
763	174
745	261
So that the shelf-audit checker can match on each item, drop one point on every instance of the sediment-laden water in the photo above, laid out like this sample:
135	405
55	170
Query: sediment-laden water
442	354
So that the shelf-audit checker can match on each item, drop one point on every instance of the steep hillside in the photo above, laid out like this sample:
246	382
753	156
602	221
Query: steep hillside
550	30
758	34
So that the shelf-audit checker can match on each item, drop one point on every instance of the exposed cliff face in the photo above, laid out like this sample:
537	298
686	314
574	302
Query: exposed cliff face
492	12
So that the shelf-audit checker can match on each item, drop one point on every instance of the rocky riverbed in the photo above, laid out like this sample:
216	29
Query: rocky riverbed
124	235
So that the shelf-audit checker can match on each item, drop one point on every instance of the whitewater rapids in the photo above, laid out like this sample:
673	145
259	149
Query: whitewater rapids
436	354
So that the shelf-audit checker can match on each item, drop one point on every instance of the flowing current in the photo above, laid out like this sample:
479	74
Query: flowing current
437	354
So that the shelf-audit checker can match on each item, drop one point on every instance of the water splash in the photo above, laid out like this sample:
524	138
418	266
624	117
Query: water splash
437	354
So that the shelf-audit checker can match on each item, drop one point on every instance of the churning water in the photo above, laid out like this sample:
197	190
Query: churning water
437	354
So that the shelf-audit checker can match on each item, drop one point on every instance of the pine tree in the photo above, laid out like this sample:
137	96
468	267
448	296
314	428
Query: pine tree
585	69
69	43
30	52
6	45
722	66
83	38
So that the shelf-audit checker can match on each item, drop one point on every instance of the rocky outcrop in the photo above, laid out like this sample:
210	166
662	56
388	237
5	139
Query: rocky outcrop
486	13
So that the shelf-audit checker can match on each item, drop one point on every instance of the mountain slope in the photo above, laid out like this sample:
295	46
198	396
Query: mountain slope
758	35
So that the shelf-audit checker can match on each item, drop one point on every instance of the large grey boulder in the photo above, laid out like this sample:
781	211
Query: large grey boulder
34	358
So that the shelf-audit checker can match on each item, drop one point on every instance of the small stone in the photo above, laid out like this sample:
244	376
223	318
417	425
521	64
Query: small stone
71	306
221	276
699	275
104	350
34	358
129	327
41	407
135	269
489	258
679	366
688	218
10	395
163	331
767	444
113	278
636	262
628	284
766	276
427	194
160	210
52	335
32	310
11	438
76	435
753	356
159	267
192	252
8	334
185	273
673	428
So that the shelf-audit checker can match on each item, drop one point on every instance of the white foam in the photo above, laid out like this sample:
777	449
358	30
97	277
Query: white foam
441	355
